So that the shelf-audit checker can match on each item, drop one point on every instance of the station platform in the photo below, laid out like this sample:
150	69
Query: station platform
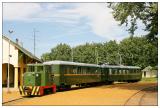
12	95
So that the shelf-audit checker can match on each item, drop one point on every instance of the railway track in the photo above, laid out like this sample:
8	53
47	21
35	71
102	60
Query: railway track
13	100
137	98
16	100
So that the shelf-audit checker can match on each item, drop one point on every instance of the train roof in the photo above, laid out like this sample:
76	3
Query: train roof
69	63
93	65
120	66
85	64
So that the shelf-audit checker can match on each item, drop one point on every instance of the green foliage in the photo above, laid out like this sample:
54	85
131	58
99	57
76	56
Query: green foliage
111	52
138	51
129	13
60	52
46	57
133	51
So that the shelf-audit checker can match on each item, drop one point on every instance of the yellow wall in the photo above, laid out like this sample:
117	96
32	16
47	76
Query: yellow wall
4	73
22	65
14	61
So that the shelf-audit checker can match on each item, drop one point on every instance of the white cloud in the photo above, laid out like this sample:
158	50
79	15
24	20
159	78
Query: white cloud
20	11
99	17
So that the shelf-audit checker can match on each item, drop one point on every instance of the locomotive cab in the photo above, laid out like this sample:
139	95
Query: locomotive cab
36	79
33	76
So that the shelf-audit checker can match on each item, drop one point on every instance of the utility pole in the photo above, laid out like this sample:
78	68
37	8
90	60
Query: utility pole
8	82
96	55
120	58
132	59
34	34
72	54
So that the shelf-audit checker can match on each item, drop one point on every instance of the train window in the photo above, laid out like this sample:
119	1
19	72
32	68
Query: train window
120	72
137	71
129	72
47	68
74	70
30	68
113	71
96	71
124	71
39	68
67	70
134	70
117	72
79	70
88	70
110	71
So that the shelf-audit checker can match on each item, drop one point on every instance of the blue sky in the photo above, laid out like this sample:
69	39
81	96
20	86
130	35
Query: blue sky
70	23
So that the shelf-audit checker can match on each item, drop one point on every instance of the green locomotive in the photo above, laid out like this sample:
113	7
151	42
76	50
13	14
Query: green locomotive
54	75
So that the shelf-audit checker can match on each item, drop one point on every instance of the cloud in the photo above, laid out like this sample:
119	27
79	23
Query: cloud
20	11
94	15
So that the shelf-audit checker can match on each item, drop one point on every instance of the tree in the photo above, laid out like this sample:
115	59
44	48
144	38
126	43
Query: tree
129	13
61	52
138	51
110	51
85	53
46	57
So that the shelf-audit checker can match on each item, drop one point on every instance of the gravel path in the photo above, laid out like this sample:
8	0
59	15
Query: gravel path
116	94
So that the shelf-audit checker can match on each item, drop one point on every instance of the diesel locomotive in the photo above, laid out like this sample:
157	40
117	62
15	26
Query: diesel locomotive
55	75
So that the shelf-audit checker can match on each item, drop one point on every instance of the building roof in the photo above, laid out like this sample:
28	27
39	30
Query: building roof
22	49
148	68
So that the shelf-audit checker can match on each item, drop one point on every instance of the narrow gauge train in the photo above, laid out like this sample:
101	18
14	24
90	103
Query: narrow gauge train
54	75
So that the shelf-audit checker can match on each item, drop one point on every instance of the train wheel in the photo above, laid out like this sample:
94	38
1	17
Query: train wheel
110	82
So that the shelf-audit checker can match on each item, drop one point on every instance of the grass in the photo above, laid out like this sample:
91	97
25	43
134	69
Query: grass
154	79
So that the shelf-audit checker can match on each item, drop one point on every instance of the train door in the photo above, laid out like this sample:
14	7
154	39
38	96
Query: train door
49	75
104	74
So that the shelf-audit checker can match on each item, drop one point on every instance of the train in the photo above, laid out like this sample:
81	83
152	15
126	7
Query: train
52	76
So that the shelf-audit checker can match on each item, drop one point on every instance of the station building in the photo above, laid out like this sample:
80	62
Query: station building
149	72
19	57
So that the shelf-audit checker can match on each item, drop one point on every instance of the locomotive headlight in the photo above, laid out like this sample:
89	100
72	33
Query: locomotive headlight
37	75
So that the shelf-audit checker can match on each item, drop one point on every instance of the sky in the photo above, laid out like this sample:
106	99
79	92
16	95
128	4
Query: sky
55	23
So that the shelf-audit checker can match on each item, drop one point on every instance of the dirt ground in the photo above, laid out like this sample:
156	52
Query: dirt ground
12	95
116	94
